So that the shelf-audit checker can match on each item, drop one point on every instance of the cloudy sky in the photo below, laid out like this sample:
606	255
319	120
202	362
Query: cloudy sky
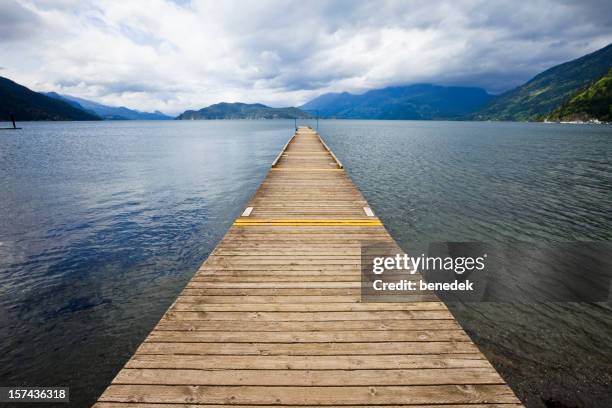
174	55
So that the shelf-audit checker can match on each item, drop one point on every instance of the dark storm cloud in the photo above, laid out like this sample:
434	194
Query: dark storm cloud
499	44
16	22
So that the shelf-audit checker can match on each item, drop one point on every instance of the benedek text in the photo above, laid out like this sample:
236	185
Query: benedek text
404	285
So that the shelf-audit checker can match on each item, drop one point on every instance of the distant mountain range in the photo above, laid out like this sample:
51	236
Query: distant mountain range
29	105
108	112
569	85
238	110
420	101
549	89
26	104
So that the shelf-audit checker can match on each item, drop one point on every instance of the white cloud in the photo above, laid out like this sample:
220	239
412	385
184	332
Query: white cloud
171	56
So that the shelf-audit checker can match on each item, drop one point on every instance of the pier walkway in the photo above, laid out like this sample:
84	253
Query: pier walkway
274	318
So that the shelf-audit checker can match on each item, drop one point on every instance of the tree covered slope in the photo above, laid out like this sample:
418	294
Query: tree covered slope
26	104
243	111
594	102
549	89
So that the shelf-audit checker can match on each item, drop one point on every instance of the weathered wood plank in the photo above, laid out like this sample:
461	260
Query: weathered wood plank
314	326
163	405
193	305
308	349
170	336
418	394
380	362
422	376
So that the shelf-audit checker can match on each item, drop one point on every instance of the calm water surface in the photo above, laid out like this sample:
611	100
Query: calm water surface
102	224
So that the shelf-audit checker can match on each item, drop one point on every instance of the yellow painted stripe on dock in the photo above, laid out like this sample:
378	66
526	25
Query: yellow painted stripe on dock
307	225
313	220
307	222
305	169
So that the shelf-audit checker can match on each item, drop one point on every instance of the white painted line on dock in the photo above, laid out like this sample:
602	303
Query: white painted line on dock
368	211
247	211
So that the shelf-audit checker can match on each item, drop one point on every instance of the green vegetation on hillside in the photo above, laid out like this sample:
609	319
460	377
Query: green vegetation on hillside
26	104
595	102
238	110
548	90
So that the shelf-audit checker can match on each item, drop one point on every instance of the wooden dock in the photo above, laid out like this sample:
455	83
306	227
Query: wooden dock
274	318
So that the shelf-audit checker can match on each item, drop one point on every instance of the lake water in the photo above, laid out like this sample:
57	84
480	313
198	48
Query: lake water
103	223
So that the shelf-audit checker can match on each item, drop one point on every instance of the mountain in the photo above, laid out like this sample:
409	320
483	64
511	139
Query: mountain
330	104
420	101
108	112
238	110
594	102
549	89
26	104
